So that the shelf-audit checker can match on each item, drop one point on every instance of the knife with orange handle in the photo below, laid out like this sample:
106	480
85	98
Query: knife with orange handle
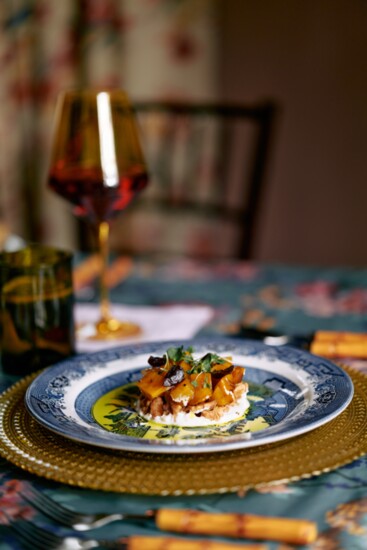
339	344
170	543
335	350
296	531
239	526
329	344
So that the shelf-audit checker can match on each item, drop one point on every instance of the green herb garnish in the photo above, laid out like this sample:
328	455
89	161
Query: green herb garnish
206	363
175	355
197	366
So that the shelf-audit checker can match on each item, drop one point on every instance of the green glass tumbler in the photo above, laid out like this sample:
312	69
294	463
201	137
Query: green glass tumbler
36	308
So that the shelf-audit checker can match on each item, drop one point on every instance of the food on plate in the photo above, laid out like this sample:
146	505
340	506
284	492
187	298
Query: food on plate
183	390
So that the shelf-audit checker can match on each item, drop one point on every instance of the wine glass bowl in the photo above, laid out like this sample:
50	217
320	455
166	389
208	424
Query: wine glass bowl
97	164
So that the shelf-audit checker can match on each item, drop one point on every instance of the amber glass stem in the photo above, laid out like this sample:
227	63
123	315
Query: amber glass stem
103	238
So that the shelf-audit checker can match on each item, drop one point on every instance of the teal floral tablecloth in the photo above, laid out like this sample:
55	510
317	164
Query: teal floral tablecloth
292	299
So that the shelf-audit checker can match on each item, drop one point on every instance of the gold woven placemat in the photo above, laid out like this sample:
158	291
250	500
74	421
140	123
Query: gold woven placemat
34	448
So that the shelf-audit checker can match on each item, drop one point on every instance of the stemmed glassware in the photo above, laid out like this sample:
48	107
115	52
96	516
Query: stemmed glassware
97	165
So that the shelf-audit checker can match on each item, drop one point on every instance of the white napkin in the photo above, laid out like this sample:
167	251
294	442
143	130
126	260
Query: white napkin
177	322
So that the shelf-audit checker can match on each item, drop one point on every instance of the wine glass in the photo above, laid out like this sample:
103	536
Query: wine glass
98	166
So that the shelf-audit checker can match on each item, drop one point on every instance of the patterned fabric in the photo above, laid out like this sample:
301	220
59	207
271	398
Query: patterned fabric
48	45
295	300
37	59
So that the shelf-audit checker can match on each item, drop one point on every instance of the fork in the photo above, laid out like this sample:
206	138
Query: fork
69	518
32	536
240	526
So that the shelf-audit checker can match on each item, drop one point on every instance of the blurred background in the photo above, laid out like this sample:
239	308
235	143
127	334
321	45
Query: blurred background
308	58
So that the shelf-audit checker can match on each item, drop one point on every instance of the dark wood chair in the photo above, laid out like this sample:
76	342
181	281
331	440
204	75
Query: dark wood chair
207	167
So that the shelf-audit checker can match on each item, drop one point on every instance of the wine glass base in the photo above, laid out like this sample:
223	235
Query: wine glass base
110	329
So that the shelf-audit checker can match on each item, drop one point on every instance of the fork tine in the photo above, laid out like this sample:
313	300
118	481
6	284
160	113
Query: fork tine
15	533
9	532
26	534
35	537
16	526
48	506
26	543
37	533
60	514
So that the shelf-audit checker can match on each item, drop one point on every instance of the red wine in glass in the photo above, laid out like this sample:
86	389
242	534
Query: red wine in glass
98	166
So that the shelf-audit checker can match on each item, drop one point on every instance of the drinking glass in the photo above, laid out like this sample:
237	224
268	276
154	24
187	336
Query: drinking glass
36	308
97	164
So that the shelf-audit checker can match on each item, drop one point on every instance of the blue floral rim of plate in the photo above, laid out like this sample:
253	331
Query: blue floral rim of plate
292	392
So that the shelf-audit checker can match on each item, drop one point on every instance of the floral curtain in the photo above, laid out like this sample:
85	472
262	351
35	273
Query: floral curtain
151	48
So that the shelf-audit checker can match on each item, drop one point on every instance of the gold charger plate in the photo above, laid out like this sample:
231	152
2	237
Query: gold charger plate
34	448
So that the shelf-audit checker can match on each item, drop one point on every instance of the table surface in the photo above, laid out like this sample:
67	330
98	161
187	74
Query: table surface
293	299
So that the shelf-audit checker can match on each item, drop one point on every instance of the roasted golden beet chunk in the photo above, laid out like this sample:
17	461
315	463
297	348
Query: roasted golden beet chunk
223	393
219	370
225	364
202	383
237	374
151	385
185	365
183	392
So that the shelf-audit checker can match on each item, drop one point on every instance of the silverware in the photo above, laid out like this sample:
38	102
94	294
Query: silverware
34	537
331	344
239	526
273	338
75	520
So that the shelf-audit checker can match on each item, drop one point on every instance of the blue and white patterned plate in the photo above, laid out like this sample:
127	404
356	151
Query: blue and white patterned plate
290	391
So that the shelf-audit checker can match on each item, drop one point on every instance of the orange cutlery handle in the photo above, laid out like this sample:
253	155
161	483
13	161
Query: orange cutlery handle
167	543
296	531
340	349
339	336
